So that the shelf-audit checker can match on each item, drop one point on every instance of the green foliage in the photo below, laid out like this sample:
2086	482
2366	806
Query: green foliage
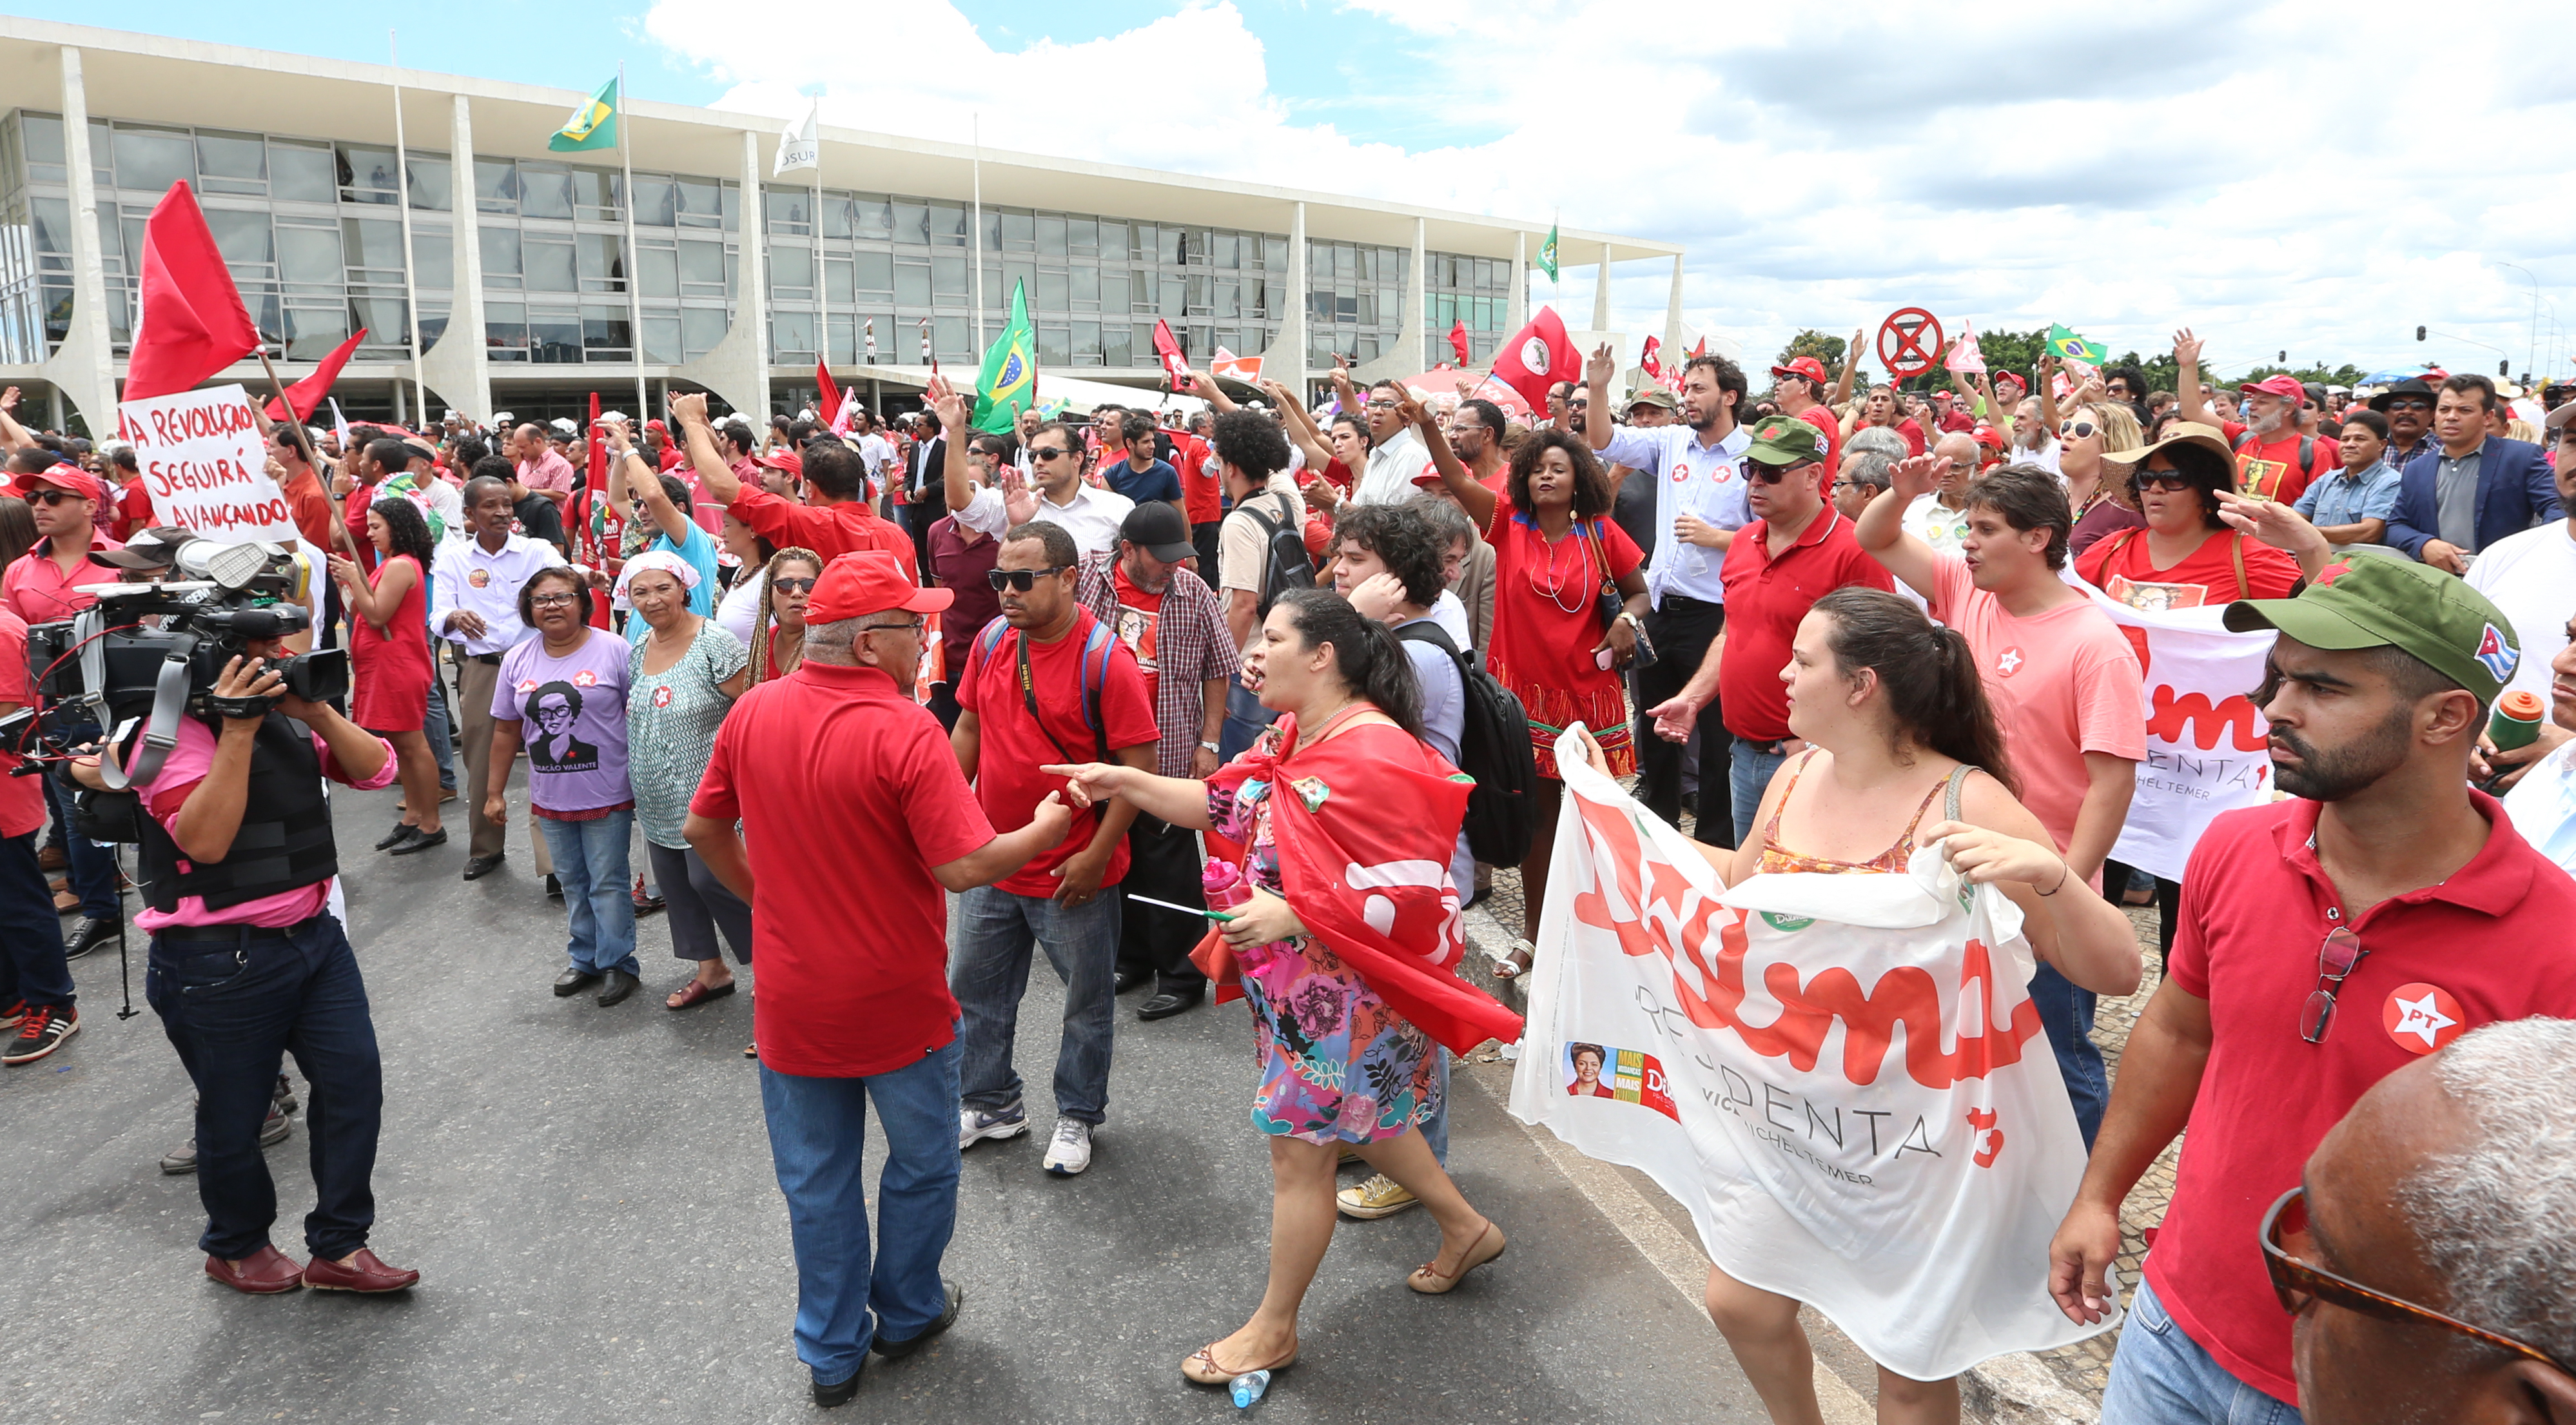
1827	349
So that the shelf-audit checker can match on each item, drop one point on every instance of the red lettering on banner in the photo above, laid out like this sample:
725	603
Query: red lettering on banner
2174	710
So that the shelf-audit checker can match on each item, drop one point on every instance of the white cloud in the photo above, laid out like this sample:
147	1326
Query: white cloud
2274	176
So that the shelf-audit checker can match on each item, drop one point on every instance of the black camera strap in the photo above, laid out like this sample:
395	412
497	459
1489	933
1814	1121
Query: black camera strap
169	700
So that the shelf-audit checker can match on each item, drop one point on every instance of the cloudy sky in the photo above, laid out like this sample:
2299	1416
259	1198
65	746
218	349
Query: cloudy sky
2277	176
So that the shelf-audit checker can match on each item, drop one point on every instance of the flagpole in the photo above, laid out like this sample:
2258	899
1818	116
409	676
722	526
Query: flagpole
822	312
634	294
411	290
975	132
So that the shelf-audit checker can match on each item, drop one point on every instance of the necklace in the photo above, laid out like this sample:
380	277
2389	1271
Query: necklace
1554	589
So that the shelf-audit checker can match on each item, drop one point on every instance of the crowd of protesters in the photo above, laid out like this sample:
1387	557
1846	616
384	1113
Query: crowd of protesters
1095	677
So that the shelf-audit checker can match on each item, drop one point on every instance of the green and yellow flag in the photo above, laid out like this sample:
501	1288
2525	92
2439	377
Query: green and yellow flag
1008	384
593	125
2070	347
1547	254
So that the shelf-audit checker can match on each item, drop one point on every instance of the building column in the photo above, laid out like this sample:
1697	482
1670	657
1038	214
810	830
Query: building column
1673	316
1288	351
737	371
1601	294
1516	316
1409	355
456	367
84	367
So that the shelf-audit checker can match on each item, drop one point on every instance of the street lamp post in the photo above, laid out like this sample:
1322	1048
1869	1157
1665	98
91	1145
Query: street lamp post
2533	350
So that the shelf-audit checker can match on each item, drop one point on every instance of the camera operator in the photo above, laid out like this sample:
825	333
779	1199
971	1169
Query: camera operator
43	586
247	961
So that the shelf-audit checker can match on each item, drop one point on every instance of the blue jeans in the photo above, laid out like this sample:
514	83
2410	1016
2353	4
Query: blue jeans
817	1136
989	972
1749	771
1245	717
599	904
2161	1376
2067	1014
234	1000
32	967
92	867
434	723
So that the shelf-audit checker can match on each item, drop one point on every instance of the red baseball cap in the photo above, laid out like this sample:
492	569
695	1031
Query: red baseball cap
1988	437
787	460
1806	366
63	477
868	581
2282	384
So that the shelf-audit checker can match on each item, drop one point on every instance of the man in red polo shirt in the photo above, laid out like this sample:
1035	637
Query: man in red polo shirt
2273	459
1798	549
2324	942
836	518
831	768
1799	387
42	587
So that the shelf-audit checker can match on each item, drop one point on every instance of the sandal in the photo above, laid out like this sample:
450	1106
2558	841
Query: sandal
1201	1367
695	993
1428	1279
1515	960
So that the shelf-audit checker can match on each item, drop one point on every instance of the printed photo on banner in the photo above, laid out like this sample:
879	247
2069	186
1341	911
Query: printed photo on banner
1627	1075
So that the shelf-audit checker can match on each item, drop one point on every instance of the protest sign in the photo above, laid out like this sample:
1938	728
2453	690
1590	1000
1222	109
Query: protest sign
2208	747
204	463
1842	1078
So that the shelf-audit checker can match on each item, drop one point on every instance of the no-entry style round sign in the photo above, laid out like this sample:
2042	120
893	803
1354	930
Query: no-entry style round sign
1903	347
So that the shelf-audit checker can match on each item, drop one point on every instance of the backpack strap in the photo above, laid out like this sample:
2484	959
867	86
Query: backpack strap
1095	651
2236	548
989	641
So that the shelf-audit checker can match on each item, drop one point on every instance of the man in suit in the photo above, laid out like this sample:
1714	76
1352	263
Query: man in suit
923	484
2472	488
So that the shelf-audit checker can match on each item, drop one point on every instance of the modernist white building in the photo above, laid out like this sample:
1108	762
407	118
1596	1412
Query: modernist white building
295	163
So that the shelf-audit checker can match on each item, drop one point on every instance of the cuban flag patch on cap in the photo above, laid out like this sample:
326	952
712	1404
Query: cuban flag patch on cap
2498	655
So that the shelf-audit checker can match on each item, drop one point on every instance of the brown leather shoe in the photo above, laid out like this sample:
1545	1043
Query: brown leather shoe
262	1273
365	1273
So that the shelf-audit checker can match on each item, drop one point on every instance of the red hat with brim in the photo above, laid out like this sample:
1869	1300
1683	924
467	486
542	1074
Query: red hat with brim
1988	437
2283	385
787	460
1806	366
62	477
868	581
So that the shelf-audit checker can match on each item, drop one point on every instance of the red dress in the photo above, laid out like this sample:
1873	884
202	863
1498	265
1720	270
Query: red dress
1546	623
392	670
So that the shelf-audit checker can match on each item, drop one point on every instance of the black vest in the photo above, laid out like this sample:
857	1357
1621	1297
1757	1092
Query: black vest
285	839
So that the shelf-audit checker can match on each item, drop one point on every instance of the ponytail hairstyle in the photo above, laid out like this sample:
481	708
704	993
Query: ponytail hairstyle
1372	662
762	622
1930	679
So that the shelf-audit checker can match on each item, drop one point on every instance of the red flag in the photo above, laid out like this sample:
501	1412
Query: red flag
1364	837
1458	343
1700	348
194	324
1175	365
1538	357
307	394
1648	360
829	404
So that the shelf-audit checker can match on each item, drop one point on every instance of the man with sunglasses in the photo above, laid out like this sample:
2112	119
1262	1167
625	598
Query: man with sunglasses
1397	456
2276	460
2425	1256
1091	515
2409	408
2323	942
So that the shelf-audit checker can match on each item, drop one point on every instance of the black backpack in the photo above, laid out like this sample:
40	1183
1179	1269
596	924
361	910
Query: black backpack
1495	750
1290	568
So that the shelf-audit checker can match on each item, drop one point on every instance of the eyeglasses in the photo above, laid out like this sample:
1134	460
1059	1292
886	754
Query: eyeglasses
913	627
2296	1284
52	497
2415	405
1021	580
552	601
2336	959
1045	452
2168	480
1381	405
2074	430
792	586
1761	474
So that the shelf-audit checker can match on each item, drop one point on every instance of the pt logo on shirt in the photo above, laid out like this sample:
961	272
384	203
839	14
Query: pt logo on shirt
2009	662
662	696
585	679
527	685
479	578
2422	1017
1681	472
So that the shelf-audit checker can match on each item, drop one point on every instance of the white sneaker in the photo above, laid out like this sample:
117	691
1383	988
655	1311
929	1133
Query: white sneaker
1070	1153
975	1124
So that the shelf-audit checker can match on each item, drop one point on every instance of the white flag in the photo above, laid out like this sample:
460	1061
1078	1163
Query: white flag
799	144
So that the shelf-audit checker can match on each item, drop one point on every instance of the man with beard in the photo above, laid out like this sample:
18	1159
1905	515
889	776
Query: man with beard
2429	916
2274	459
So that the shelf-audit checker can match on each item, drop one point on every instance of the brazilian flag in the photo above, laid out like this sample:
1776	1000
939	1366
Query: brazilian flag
593	125
2070	347
1008	384
1547	254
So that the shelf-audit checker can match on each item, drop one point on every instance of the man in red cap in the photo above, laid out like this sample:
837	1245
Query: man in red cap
1799	389
837	517
831	768
43	586
2273	460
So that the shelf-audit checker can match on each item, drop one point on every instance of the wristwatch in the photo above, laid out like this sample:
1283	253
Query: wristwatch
1207	747
1629	617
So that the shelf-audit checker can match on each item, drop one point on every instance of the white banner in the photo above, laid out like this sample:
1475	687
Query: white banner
205	465
2207	744
1842	1078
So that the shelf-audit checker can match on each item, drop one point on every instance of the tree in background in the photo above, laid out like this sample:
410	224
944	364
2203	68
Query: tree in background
1827	349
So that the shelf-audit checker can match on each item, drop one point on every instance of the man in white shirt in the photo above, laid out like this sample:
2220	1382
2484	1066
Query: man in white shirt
878	453
2542	802
474	602
2531	576
1398	455
1091	515
1696	465
1939	516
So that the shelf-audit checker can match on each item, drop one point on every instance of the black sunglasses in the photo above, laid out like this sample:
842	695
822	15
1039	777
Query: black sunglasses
793	586
1761	474
51	497
1021	580
2163	480
1043	452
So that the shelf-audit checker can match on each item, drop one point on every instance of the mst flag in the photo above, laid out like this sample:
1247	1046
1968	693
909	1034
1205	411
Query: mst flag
1175	365
593	125
194	323
1547	254
1246	369
1008	384
1650	359
307	394
1537	357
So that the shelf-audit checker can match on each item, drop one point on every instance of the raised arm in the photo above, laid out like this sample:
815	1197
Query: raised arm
1880	529
12	434
2195	406
701	437
1596	374
1472	495
1300	426
1204	385
956	475
2047	394
1851	368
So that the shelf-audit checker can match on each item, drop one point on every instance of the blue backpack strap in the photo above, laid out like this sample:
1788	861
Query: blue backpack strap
989	640
1096	648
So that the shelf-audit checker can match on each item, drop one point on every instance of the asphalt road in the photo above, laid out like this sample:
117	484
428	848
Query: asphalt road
587	1194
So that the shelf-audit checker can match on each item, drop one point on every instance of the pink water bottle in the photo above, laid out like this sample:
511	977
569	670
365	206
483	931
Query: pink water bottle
1224	888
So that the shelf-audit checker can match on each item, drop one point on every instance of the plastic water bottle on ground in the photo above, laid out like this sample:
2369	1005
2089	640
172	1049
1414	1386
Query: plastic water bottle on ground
1248	1388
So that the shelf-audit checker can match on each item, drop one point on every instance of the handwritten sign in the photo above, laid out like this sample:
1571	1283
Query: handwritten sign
204	463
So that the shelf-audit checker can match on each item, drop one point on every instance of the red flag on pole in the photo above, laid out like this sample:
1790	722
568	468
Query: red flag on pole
194	324
1538	357
1175	365
307	394
1649	360
828	404
1458	343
